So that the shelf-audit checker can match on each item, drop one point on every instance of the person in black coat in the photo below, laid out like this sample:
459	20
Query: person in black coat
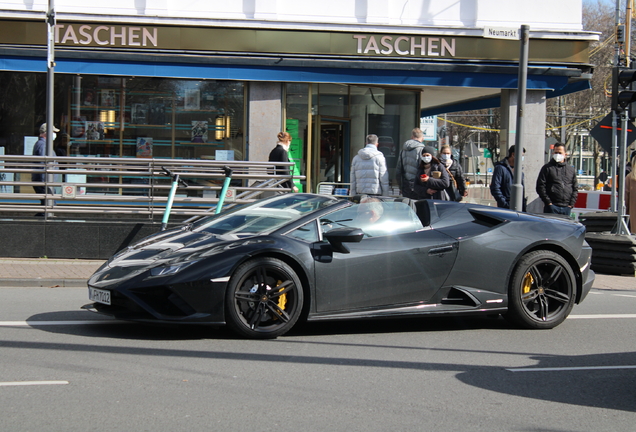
557	185
279	154
432	177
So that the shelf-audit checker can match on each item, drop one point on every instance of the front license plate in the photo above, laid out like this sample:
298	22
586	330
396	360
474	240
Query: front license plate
99	296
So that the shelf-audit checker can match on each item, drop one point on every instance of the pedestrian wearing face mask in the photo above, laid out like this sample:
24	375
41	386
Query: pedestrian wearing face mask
40	149
557	184
432	176
457	189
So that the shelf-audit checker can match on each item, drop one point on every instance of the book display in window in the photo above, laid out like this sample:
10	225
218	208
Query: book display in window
109	98
199	131
156	113
144	147
139	114
94	130
192	100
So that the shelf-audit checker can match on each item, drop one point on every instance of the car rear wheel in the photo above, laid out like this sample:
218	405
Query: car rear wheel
264	299
542	291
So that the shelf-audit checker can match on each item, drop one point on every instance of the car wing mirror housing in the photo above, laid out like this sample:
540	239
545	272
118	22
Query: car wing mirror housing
338	236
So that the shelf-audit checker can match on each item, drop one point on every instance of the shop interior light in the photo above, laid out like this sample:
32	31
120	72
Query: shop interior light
222	127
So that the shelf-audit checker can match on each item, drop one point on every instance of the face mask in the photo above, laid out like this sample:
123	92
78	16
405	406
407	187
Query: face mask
445	156
558	157
427	159
54	135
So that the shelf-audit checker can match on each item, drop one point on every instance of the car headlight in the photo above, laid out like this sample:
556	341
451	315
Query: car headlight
169	270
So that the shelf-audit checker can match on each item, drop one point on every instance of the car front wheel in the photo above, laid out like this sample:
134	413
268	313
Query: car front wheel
542	291
264	299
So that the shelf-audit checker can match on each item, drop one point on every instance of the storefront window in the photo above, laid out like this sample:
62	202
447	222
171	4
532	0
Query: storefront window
334	100
156	117
391	114
126	117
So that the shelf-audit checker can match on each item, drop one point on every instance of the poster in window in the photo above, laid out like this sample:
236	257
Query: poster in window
88	97
192	100
109	98
156	113
144	147
139	114
199	131
94	130
78	127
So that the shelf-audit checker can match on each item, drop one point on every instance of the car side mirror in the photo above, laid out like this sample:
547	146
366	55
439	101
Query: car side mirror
337	236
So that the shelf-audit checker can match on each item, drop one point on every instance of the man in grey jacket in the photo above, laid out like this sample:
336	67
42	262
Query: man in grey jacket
368	170
408	162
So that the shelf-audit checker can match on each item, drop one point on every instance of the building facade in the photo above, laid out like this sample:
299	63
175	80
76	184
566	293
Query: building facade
211	79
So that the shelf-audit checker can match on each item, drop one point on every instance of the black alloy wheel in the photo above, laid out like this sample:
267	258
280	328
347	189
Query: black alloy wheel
264	299
542	291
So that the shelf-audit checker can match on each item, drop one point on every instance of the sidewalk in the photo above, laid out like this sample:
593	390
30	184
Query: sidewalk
26	272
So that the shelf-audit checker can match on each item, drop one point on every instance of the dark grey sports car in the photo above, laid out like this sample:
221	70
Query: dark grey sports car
260	268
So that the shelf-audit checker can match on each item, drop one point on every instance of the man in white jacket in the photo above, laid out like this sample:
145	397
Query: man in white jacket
368	170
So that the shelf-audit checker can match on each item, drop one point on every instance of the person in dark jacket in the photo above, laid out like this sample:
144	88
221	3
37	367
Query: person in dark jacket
279	154
432	177
459	186
408	162
557	185
503	178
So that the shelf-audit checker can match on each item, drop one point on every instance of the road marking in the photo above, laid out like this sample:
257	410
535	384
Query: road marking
625	295
602	316
560	369
53	323
29	383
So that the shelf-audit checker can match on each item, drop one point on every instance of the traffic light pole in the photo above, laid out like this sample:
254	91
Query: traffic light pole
620	227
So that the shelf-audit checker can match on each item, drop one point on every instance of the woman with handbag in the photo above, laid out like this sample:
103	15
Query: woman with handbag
457	189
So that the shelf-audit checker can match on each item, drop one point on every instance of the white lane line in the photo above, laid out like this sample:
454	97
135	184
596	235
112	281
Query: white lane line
625	295
53	323
603	316
30	383
559	369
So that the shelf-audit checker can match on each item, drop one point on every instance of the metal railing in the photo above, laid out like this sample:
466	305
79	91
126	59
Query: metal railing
132	188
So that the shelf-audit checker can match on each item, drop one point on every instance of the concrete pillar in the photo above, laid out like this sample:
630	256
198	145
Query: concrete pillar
264	118
533	140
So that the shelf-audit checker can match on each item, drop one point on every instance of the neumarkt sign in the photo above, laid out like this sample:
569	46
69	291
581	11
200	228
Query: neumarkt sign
501	33
304	42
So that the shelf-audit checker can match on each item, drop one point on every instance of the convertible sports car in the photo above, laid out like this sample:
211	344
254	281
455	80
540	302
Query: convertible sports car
261	267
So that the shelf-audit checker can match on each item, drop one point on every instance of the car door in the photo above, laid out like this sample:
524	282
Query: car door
384	270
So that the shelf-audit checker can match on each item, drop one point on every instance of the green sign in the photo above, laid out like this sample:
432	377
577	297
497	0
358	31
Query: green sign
487	153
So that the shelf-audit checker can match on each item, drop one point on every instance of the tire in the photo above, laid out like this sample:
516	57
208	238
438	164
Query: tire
542	291
264	299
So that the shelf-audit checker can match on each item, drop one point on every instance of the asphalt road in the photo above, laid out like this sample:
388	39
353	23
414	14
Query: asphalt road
64	369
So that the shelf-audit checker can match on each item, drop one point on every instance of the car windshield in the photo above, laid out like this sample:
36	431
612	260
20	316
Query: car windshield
263	216
375	218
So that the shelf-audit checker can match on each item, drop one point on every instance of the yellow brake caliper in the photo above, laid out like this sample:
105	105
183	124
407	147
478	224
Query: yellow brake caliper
282	300
528	281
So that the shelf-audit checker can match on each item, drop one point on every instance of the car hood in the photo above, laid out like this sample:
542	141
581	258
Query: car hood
173	245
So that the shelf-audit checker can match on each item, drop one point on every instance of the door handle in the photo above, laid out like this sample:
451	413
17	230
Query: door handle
440	250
